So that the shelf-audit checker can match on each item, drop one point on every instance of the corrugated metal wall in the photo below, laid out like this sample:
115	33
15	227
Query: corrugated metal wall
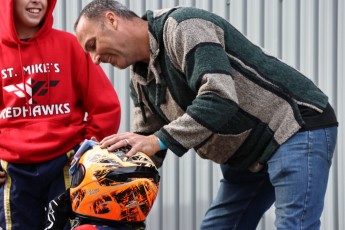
308	35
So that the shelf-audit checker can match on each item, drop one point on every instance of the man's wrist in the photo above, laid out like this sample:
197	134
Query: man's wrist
162	145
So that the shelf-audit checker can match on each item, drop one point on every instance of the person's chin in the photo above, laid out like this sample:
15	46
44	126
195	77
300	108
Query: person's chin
119	66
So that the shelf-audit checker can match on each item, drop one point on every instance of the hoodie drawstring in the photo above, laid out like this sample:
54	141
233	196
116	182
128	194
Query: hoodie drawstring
23	74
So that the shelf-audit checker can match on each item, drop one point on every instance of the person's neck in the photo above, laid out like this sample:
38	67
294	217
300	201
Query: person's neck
143	36
26	33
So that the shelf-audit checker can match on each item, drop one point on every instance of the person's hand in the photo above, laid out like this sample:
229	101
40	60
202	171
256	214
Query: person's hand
93	139
3	176
139	143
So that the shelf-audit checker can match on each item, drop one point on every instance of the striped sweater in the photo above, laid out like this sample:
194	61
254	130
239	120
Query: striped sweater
209	88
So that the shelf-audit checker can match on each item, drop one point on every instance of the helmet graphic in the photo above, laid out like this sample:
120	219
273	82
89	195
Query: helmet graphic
108	186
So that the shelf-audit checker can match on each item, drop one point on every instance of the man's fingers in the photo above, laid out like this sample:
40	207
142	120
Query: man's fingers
113	145
115	137
138	143
110	140
107	138
108	143
131	152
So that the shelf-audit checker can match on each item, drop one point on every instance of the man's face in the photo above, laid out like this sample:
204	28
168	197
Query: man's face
28	15
101	39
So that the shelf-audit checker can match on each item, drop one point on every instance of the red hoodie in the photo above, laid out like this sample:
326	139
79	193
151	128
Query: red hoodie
48	83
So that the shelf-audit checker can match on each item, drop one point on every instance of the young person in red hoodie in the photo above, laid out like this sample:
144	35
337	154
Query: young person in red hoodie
52	98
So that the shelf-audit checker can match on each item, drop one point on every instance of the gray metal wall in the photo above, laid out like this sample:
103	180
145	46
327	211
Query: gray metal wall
308	35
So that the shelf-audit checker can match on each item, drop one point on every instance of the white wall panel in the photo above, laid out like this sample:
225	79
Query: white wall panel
339	188
187	188
290	32
255	19
222	8
308	35
309	39
153	4
171	194
272	27
238	14
327	82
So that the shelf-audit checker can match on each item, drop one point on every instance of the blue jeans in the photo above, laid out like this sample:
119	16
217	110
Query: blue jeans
295	178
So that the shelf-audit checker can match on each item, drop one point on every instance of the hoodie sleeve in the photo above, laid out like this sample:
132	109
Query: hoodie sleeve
100	102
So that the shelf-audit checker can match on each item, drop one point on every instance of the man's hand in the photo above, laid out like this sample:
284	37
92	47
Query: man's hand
139	143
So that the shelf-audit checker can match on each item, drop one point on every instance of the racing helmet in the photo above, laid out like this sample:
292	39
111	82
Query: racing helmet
108	186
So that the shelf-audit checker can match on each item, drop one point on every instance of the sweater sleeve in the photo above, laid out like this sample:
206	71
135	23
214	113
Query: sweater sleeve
190	44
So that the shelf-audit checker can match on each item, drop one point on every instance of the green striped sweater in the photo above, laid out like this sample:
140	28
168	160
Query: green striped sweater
209	88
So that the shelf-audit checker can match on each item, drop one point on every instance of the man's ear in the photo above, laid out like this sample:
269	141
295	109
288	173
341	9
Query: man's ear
111	18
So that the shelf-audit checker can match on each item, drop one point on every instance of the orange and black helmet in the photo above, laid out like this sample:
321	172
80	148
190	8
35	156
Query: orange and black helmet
108	186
